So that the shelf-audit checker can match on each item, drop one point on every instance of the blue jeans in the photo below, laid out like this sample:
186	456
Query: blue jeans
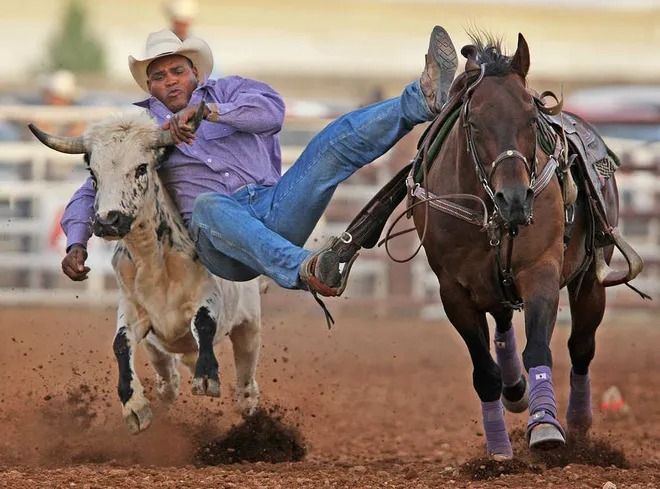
261	229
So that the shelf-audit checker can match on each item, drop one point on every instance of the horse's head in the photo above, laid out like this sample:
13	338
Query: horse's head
121	156
499	118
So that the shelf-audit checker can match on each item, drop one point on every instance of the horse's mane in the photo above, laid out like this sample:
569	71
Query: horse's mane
489	52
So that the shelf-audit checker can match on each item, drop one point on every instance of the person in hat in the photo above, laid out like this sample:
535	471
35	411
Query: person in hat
246	219
181	14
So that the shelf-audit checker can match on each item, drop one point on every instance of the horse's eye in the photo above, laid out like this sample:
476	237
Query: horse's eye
141	170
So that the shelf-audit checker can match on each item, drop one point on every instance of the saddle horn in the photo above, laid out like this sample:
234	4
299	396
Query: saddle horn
608	276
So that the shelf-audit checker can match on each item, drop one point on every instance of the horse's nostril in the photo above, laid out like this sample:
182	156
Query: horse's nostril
530	195
500	200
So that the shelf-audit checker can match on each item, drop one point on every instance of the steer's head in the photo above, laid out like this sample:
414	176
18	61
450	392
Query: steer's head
121	155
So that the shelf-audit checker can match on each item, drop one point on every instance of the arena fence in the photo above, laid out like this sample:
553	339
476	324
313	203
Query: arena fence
36	183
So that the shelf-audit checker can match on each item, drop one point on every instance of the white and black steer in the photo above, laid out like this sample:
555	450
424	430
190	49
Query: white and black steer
166	295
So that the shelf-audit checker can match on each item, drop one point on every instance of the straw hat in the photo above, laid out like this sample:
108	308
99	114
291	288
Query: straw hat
165	43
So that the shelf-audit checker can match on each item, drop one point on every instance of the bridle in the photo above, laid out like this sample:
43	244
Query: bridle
484	176
511	298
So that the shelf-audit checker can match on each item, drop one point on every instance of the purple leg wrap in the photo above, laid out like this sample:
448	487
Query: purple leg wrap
578	414
507	357
542	404
497	438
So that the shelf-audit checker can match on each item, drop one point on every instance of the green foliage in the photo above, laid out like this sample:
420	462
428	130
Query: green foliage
75	47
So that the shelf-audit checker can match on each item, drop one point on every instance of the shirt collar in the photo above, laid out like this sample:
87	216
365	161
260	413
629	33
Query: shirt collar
151	103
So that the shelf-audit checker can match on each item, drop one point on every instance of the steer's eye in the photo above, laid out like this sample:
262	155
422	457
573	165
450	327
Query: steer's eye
141	170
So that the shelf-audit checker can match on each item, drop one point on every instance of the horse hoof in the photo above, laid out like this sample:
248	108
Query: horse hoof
546	436
520	405
204	386
578	431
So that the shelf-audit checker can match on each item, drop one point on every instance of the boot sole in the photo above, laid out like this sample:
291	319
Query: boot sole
444	55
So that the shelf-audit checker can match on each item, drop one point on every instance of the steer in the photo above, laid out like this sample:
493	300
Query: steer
166	296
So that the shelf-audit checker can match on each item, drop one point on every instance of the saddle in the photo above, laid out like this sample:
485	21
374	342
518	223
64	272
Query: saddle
589	163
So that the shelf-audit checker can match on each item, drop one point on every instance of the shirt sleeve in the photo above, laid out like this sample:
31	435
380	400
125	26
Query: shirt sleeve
77	218
251	106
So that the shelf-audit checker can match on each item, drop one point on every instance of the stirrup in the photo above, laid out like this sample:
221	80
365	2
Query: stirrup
309	271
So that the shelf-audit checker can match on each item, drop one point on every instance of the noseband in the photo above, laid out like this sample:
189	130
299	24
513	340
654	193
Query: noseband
485	177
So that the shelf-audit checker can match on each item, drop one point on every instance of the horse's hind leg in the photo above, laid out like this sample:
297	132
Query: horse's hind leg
587	307
246	341
473	328
514	383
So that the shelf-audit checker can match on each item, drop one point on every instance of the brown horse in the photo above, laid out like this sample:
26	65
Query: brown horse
492	153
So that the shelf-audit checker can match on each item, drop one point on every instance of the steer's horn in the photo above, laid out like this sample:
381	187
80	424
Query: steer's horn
63	144
606	275
165	136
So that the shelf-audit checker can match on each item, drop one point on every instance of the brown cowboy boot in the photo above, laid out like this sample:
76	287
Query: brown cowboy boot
438	74
321	273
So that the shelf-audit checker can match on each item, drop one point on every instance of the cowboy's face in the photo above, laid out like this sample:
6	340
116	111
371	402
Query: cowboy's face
172	80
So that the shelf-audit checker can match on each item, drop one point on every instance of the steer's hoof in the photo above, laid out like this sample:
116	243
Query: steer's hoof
168	390
248	399
137	415
545	436
205	386
515	398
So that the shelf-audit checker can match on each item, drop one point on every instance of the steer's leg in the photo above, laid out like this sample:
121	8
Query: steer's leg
130	330
205	378
246	341
165	365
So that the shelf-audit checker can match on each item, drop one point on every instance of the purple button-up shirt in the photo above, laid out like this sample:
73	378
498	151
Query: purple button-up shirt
242	148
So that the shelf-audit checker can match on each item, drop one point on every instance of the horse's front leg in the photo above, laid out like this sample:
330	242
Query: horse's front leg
130	330
539	289
515	389
204	325
471	324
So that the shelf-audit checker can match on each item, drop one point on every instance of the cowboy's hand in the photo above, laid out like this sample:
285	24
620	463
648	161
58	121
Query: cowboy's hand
73	264
179	127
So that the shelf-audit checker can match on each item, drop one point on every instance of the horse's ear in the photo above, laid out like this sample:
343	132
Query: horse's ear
520	60
470	53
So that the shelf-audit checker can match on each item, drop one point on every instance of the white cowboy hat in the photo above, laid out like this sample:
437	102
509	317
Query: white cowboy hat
184	10
165	43
61	83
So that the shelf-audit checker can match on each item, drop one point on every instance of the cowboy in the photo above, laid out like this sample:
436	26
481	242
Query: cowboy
244	218
181	14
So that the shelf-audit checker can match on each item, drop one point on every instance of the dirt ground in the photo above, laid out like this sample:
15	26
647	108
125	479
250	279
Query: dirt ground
375	402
